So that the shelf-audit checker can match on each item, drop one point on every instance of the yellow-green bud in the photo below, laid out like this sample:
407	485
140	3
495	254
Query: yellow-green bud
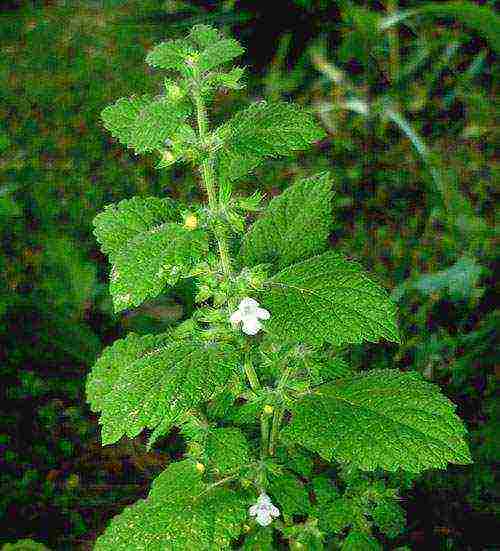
268	409
200	467
191	222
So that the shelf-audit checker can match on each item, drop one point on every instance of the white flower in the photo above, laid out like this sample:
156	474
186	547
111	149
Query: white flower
264	510
249	313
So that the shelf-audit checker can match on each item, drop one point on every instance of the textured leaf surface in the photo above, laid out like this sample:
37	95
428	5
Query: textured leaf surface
260	540
381	418
147	250
328	299
290	494
218	53
264	130
294	226
140	380
180	514
205	47
171	54
337	515
227	449
144	123
360	541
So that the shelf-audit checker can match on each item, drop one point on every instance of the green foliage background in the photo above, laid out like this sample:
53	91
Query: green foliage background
414	195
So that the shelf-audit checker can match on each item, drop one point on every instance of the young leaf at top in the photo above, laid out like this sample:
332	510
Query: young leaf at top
171	54
181	513
294	226
204	49
380	419
147	248
141	380
328	299
144	123
264	130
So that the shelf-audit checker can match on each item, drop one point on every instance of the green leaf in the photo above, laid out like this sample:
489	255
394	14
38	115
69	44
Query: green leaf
324	490
328	299
180	514
144	123
264	130
141	380
290	494
389	517
218	53
381	418
146	248
294	226
171	54
301	462
360	541
230	80
260	540
24	545
337	515
204	35
227	449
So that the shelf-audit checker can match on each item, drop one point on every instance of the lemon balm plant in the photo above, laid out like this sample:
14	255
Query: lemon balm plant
255	379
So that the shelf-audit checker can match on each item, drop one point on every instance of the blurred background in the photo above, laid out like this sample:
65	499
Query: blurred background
407	91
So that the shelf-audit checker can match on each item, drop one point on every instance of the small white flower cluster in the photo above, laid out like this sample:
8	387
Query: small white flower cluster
264	510
249	314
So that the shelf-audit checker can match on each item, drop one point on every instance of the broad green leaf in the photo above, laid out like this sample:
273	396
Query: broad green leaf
171	54
204	35
157	121
181	513
380	419
328	299
389	517
264	130
336	515
218	53
230	80
147	248
289	492
227	449
294	226
262	539
144	123
128	219
141	380
360	541
324	490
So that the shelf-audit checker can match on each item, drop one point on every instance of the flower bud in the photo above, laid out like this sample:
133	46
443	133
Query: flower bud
191	222
200	467
268	409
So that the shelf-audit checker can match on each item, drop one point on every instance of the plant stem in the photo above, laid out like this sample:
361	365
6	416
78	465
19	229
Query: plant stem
250	373
394	59
208	175
279	411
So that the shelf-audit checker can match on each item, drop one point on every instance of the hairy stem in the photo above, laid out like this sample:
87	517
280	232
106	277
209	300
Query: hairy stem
250	373
394	58
208	175
279	411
